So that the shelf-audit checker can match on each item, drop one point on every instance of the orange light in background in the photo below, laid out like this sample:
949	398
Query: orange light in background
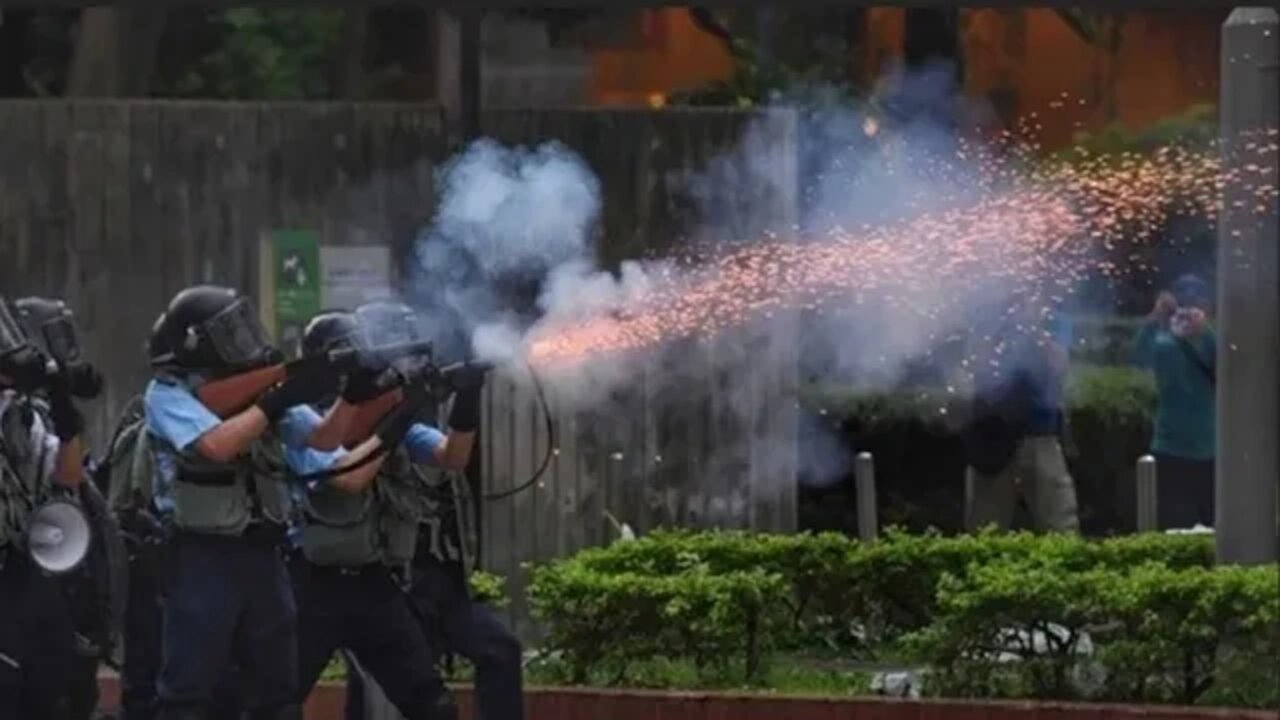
657	100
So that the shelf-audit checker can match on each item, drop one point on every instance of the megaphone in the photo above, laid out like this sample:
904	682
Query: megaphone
58	536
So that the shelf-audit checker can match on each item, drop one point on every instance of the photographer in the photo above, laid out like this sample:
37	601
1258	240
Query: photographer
1178	345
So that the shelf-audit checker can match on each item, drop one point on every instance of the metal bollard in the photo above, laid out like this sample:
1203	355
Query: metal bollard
864	476
1146	494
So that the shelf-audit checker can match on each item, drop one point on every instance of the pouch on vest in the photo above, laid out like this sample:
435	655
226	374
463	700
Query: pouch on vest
400	537
212	499
340	528
266	464
406	497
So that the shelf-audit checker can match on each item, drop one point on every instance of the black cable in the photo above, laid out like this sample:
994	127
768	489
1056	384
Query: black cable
537	475
551	443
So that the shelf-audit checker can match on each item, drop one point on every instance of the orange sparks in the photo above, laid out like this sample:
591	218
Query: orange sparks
1047	226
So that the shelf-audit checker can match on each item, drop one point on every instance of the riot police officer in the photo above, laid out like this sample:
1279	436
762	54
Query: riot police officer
227	592
352	534
127	470
94	588
438	570
41	457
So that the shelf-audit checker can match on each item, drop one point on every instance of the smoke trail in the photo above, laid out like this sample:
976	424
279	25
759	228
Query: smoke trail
507	219
943	235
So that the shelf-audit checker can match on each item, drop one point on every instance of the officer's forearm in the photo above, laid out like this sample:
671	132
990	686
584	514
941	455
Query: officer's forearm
68	470
455	454
232	436
331	431
360	478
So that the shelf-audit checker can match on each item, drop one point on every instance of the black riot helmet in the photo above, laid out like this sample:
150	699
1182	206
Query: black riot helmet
210	329
51	327
330	330
386	322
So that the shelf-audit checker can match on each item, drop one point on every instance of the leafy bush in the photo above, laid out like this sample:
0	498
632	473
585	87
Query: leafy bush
1136	617
488	588
1010	629
608	621
1156	633
920	460
1196	126
1183	633
1104	340
837	594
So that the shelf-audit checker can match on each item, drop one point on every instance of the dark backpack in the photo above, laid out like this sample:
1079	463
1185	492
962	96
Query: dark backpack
127	472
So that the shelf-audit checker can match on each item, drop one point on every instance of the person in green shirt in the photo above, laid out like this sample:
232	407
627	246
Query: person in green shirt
1177	343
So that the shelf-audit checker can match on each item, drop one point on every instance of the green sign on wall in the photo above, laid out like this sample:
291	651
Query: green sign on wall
297	281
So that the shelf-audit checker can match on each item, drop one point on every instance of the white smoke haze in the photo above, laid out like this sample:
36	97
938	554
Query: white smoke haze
513	216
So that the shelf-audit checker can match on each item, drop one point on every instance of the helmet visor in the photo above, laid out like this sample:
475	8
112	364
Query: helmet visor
382	325
60	340
237	336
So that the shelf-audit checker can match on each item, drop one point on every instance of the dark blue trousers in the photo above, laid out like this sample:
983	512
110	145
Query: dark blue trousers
228	602
458	625
364	611
143	627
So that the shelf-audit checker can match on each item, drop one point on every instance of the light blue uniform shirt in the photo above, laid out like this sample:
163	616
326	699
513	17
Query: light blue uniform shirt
421	441
174	416
293	428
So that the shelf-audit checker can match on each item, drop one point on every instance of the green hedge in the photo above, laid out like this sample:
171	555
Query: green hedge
920	461
1161	634
725	601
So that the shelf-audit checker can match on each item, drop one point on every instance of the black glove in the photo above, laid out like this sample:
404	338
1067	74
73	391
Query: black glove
307	385
84	381
67	420
461	377
362	386
464	416
467	381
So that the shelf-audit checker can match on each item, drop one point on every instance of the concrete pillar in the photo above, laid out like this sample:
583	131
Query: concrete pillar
864	477
1248	397
1146	494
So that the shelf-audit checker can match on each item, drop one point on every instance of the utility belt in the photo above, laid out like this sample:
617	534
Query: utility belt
259	533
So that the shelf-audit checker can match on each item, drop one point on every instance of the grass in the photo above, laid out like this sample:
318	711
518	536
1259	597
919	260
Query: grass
784	674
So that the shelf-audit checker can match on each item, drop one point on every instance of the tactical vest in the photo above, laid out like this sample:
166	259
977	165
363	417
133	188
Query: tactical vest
385	523
25	464
450	527
345	529
223	499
